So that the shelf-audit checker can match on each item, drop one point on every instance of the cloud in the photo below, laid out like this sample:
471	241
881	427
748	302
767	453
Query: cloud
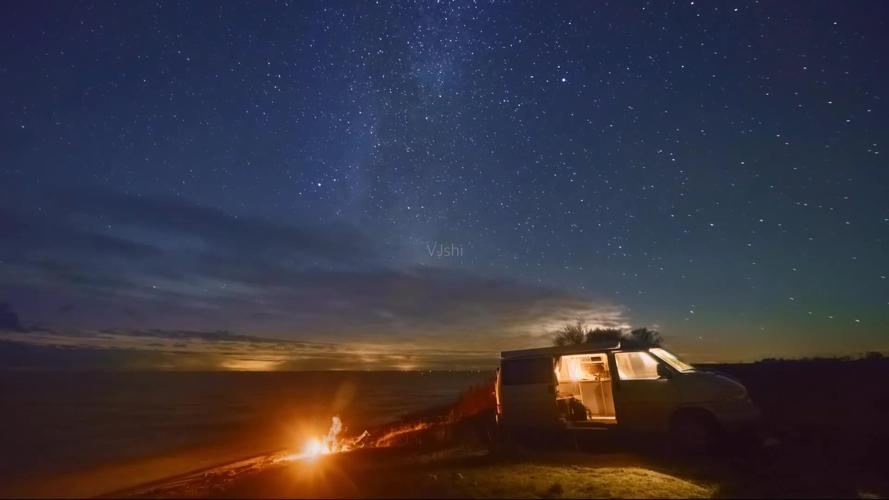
132	268
185	226
194	350
206	336
127	251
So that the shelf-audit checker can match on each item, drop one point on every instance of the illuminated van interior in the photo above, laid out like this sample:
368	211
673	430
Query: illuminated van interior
584	393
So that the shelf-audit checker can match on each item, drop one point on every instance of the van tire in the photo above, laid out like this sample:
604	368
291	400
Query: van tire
695	431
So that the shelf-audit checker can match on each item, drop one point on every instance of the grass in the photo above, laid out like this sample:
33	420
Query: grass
534	480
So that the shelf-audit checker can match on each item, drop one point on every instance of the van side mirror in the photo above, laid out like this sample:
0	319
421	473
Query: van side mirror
664	372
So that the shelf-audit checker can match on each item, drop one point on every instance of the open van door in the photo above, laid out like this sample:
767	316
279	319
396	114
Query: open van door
646	397
527	393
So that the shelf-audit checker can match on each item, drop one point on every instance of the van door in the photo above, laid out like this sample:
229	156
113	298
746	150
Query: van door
645	401
527	393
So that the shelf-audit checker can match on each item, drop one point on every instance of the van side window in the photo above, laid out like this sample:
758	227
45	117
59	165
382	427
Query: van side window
636	366
527	371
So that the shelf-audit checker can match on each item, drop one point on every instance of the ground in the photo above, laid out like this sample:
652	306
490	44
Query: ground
823	435
398	472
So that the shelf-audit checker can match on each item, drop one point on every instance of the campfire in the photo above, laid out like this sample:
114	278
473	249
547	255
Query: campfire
333	442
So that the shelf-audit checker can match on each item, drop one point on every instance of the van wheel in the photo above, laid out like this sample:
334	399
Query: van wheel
695	431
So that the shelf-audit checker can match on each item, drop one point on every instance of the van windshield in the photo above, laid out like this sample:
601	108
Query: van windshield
671	359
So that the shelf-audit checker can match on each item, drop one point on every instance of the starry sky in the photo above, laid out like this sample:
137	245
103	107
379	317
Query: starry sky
423	184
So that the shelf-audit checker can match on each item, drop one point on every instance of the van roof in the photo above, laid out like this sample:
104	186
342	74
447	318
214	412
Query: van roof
561	350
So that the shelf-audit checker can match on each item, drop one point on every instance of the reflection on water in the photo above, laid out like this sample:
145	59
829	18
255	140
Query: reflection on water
61	421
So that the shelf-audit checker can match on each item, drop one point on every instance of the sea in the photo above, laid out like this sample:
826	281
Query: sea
55	423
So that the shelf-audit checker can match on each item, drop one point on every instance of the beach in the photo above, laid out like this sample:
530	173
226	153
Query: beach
452	449
89	433
804	448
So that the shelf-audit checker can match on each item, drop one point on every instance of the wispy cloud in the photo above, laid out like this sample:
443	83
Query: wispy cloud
181	274
193	350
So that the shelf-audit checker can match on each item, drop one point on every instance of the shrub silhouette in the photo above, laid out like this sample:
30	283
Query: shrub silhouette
604	335
577	333
571	334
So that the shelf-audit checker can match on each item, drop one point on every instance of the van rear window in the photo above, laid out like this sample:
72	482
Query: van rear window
526	371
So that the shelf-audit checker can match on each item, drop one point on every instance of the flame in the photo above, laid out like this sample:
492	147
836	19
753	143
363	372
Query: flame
331	443
314	447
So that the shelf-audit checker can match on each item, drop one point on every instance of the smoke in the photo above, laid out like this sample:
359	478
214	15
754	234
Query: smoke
332	440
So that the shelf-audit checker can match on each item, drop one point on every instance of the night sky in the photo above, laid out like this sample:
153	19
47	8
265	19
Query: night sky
278	185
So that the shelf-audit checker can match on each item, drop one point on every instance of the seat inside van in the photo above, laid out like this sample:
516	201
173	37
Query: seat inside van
584	392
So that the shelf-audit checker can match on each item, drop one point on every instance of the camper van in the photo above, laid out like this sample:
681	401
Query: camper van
607	387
